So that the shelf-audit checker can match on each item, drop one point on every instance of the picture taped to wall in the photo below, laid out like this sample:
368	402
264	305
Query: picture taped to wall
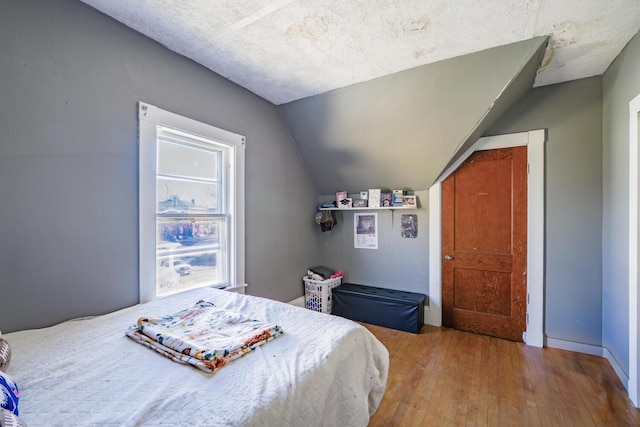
365	231
409	226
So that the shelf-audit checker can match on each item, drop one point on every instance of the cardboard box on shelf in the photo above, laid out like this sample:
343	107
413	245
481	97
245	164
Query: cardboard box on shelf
345	203
374	198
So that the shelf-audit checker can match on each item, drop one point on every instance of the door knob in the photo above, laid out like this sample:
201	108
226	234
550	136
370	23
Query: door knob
448	257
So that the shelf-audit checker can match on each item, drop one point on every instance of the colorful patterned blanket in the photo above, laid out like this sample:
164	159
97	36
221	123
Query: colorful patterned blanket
203	335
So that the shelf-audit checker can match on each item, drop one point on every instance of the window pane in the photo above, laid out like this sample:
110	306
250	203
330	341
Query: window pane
178	235
189	253
177	196
177	273
187	161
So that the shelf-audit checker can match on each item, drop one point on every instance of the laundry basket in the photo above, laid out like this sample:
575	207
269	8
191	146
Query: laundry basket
317	293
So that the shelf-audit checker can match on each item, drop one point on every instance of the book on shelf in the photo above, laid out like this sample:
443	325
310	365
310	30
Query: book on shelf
386	200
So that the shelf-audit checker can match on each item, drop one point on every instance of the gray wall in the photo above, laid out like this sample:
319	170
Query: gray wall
572	114
621	83
71	79
398	263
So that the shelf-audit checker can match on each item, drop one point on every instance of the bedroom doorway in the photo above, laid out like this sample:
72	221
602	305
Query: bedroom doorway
484	244
535	142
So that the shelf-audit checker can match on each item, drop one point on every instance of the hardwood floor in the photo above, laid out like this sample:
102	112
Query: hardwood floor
444	377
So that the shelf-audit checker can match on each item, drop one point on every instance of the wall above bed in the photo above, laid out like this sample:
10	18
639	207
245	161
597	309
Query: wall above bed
71	81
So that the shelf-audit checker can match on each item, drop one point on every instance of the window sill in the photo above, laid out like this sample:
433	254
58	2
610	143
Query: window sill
237	288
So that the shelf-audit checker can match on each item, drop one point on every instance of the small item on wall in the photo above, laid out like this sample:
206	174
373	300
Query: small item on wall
326	220
359	203
386	200
374	198
365	231
398	197
409	226
364	195
410	201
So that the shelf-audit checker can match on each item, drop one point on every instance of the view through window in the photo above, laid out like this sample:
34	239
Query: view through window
191	205
191	213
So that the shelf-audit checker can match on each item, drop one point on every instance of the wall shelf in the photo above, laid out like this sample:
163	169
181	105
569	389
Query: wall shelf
381	208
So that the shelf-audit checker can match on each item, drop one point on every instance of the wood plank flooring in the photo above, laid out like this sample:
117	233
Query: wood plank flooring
445	377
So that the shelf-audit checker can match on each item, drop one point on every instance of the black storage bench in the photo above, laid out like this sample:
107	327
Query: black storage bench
379	306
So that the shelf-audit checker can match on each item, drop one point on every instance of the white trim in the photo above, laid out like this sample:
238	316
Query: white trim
589	349
616	367
146	217
149	118
434	316
534	140
574	346
238	289
490	143
634	249
535	238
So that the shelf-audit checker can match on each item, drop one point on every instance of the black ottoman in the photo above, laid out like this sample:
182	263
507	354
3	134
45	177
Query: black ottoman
379	306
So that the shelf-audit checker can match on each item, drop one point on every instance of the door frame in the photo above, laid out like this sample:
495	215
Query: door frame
633	385
535	142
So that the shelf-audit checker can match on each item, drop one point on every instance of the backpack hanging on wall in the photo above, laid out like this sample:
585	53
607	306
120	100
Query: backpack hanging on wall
326	220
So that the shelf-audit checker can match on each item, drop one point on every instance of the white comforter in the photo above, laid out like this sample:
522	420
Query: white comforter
324	370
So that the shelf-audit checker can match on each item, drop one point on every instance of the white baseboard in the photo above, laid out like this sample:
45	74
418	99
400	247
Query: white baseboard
432	317
616	367
590	349
533	338
574	346
298	302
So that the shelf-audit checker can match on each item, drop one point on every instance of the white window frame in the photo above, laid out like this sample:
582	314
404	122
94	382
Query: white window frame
150	117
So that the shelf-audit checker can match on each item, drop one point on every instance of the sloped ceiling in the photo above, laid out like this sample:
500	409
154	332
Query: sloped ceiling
284	50
402	130
386	93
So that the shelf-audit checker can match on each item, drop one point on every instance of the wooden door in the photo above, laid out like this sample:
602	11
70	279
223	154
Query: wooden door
484	244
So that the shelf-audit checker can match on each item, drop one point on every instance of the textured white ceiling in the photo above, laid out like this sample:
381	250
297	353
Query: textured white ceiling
285	50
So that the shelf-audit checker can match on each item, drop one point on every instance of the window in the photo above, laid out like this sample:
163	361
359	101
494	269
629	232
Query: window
191	205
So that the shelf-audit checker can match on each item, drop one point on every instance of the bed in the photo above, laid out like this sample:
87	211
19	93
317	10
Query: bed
324	370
